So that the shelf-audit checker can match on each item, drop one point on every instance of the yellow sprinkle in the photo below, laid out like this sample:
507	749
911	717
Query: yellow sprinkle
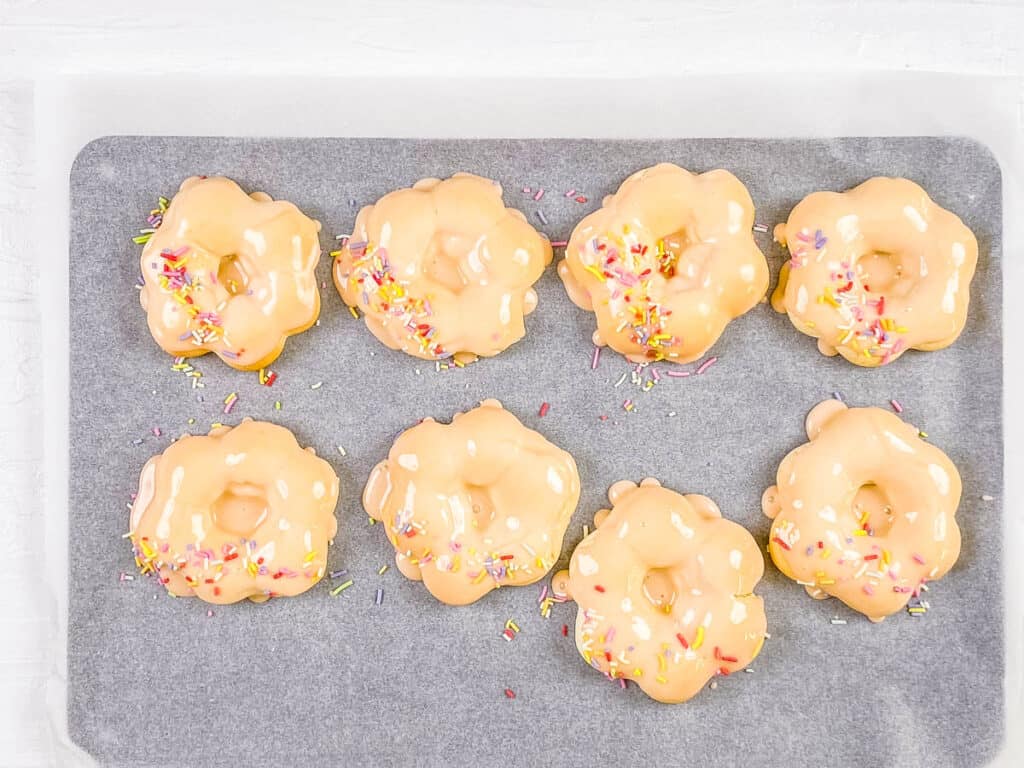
229	398
860	532
923	434
480	576
309	557
885	556
863	519
511	625
341	588
215	425
825	553
383	567
826	582
661	679
263	375
638	672
458	362
252	568
277	405
661	662
371	520
596	272
699	640
353	312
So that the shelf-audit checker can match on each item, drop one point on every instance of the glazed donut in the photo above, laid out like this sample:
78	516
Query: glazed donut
243	512
474	505
664	587
666	263
864	511
230	273
443	269
876	271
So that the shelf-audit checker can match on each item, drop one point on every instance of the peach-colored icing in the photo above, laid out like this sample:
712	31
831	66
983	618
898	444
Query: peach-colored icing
443	269
230	273
665	591
876	271
474	505
241	513
666	263
864	511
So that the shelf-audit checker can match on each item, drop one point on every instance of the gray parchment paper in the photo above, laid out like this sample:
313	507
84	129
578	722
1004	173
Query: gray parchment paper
321	680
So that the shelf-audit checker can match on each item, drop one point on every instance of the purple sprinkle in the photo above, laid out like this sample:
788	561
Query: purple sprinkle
542	217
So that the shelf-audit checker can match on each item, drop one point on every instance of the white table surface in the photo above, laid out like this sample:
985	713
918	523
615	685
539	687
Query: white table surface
39	37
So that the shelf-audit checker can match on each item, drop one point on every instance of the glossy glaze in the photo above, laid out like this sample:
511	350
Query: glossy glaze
230	273
241	513
876	271
665	589
443	269
474	505
864	511
666	263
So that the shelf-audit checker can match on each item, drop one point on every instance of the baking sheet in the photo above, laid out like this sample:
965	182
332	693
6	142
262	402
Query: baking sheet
155	680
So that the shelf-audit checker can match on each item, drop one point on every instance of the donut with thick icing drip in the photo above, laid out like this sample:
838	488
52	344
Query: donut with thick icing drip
666	263
876	271
443	269
865	511
230	273
664	587
241	513
474	505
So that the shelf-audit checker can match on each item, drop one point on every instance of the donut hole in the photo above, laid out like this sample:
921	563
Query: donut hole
241	508
660	589
482	508
873	509
441	263
680	262
886	272
232	275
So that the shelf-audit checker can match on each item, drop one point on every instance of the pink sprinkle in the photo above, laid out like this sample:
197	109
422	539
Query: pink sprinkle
571	192
896	406
705	365
626	404
539	195
918	559
655	375
677	374
622	683
595	359
868	589
230	404
527	190
543	594
157	432
209	614
559	243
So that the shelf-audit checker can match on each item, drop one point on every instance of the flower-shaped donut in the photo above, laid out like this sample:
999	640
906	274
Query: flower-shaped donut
666	263
864	511
443	269
474	505
241	513
230	273
665	589
876	271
